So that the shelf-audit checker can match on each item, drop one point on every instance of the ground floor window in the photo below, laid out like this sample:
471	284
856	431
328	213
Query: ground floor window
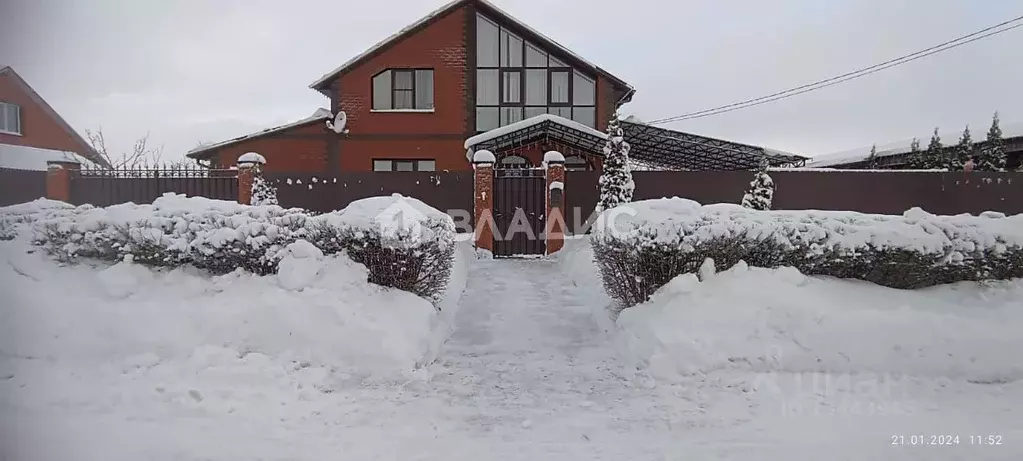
514	162
404	165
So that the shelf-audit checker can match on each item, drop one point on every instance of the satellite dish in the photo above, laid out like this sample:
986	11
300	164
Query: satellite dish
340	121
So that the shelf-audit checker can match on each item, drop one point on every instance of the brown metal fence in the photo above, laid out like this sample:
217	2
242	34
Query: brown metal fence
110	187
19	186
444	191
863	191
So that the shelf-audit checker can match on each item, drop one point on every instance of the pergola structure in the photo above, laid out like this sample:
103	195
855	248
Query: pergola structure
652	147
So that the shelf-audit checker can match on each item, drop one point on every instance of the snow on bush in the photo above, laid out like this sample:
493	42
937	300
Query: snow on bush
760	194
641	246
404	243
263	193
779	320
615	184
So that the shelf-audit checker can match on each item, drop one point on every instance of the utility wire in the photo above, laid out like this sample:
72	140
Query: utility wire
978	35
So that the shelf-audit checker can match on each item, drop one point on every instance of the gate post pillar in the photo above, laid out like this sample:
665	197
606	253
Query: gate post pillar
483	199
249	165
58	179
554	227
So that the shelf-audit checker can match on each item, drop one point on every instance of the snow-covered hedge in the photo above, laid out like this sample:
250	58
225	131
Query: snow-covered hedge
643	245
404	243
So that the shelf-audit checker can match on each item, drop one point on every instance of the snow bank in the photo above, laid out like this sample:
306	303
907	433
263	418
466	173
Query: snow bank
320	319
770	320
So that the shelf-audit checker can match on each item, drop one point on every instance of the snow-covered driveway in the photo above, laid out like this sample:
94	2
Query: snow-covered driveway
532	371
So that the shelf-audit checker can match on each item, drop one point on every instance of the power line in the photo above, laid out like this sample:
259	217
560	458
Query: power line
969	38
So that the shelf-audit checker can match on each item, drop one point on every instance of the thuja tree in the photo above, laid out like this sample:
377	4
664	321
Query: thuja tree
263	193
761	190
992	156
615	184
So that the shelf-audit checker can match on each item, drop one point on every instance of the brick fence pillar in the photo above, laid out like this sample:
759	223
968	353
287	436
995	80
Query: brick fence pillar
555	223
483	199
249	165
58	179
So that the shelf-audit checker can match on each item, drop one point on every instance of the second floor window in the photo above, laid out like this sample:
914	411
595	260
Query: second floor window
10	118
403	89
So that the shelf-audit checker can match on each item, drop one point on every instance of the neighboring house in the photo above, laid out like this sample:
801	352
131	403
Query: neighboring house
31	132
895	155
412	101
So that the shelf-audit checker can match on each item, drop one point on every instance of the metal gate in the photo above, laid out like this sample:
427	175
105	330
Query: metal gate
519	209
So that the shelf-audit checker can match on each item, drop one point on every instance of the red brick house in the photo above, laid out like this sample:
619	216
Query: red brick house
413	99
31	132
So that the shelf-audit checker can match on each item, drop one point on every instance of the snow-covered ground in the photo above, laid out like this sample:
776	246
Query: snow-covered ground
110	363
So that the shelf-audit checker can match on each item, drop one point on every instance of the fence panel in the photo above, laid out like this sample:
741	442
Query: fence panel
110	187
891	192
442	190
19	186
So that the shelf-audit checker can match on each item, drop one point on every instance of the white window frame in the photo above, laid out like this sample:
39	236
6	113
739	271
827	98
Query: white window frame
4	108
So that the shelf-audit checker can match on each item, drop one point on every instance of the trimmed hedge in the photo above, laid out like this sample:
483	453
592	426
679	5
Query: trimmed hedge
639	253
414	254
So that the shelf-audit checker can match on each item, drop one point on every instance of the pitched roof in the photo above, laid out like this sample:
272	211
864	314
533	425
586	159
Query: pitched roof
320	114
87	149
489	8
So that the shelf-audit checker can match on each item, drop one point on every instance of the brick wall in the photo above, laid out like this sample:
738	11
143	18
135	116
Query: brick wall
302	148
437	135
38	128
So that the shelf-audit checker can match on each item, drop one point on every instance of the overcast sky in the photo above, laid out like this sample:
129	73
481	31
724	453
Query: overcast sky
191	71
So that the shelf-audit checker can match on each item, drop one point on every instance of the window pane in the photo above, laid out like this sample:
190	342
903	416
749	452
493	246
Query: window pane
424	89
536	86
402	79
403	99
534	111
14	117
3	117
556	63
583	90
382	91
486	87
565	112
535	57
381	165
510	115
512	88
486	118
427	165
486	42
404	165
584	115
559	87
511	50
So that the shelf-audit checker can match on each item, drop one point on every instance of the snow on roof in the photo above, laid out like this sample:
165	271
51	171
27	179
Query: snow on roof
1011	130
319	114
35	158
511	128
445	9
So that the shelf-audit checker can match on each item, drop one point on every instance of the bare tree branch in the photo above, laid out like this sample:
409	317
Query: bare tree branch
141	155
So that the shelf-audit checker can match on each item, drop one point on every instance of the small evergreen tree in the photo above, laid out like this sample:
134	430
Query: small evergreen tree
992	156
615	182
962	152
263	193
872	162
916	156
934	157
760	194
